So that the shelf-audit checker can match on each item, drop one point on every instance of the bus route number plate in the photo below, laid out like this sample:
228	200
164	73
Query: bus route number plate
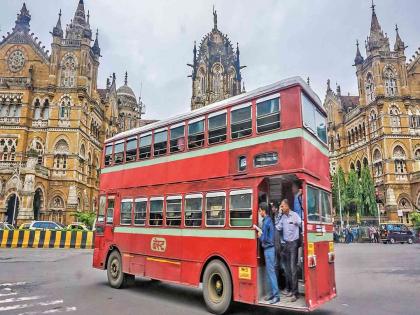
245	273
158	244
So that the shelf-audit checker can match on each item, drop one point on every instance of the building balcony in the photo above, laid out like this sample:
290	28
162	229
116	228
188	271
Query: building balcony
40	123
13	81
9	120
42	170
64	123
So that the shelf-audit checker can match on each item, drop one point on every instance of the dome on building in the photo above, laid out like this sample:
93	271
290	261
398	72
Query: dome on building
126	91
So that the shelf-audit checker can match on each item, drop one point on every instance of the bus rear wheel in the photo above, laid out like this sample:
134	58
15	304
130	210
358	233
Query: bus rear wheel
116	277
217	287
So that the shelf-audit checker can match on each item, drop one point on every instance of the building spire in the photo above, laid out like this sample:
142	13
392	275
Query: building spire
79	15
399	44
23	19
58	30
96	49
126	78
214	18
359	59
376	40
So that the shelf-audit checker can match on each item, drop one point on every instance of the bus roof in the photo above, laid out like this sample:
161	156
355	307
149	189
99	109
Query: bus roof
267	89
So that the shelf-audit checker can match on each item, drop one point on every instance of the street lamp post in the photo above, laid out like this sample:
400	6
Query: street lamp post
339	201
17	189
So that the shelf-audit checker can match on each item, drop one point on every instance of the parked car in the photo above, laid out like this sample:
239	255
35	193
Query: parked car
77	226
46	225
396	233
6	226
25	226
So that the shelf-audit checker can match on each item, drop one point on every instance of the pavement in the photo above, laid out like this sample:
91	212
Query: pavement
371	279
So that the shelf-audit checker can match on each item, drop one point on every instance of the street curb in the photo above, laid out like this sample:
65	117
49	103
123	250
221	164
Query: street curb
46	239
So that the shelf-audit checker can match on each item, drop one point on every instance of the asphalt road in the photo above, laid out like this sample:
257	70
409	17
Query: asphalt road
371	279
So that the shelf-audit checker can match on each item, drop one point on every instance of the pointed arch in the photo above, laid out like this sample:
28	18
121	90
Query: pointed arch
68	70
390	80
369	88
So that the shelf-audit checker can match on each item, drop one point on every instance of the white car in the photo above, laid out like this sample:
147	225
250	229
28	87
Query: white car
46	225
77	226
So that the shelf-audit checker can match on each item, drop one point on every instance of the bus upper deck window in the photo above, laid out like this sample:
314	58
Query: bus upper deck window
215	209
196	134
313	120
241	208
313	204
177	142
217	128
268	114
144	146
131	150
156	211
101	211
241	121
110	211
326	215
119	152
108	155
193	210
173	211
159	145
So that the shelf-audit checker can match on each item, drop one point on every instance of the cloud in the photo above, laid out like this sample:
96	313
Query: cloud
153	40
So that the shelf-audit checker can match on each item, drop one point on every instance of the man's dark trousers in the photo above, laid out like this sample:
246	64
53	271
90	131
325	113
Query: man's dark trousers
291	250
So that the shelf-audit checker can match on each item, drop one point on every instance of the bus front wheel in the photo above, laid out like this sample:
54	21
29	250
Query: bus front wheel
116	277
217	287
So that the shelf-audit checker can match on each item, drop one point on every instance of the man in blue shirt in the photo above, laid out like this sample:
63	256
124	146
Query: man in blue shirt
266	236
297	199
289	225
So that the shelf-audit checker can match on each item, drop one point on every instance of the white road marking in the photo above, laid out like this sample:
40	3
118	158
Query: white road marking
8	294
53	311
51	302
21	299
11	284
6	289
20	306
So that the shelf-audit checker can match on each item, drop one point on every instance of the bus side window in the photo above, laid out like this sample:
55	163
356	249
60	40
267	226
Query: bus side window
131	150
196	134
313	204
268	115
241	122
160	142
193	210
119	152
173	210
110	211
215	209
241	208
177	139
125	211
156	211
108	155
145	146
217	128
140	206
101	210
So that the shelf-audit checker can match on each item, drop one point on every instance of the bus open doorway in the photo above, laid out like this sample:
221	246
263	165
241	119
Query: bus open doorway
273	190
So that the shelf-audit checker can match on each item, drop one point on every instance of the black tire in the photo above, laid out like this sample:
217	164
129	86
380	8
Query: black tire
217	287
392	240
385	242
410	240
117	279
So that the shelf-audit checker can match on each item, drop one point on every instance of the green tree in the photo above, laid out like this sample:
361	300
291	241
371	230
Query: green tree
367	189
87	218
353	195
339	182
415	218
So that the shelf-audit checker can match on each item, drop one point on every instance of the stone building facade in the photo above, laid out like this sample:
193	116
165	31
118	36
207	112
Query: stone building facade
54	119
380	127
216	69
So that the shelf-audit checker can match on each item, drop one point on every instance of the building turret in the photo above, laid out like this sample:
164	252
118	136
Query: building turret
376	41
399	44
79	28
22	21
359	59
96	49
58	30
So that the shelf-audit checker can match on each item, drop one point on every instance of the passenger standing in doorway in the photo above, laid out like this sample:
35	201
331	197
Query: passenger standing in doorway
266	236
297	199
277	240
289	225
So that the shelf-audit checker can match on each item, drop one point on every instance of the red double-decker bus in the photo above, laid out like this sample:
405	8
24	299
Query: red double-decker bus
179	198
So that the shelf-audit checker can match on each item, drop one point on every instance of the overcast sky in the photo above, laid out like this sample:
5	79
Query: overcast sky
153	40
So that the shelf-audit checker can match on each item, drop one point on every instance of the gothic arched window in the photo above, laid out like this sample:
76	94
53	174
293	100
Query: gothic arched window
64	111
377	162
370	88
218	81
395	117
61	151
37	110
45	110
40	152
390	82
68	71
231	81
399	157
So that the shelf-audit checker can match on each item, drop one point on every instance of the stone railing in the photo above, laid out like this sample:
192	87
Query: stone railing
352	114
70	42
42	170
11	165
40	123
64	123
9	120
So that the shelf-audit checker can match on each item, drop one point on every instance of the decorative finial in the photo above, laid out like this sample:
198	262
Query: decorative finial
373	7
328	85
308	81
214	18
126	78
59	14
396	28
